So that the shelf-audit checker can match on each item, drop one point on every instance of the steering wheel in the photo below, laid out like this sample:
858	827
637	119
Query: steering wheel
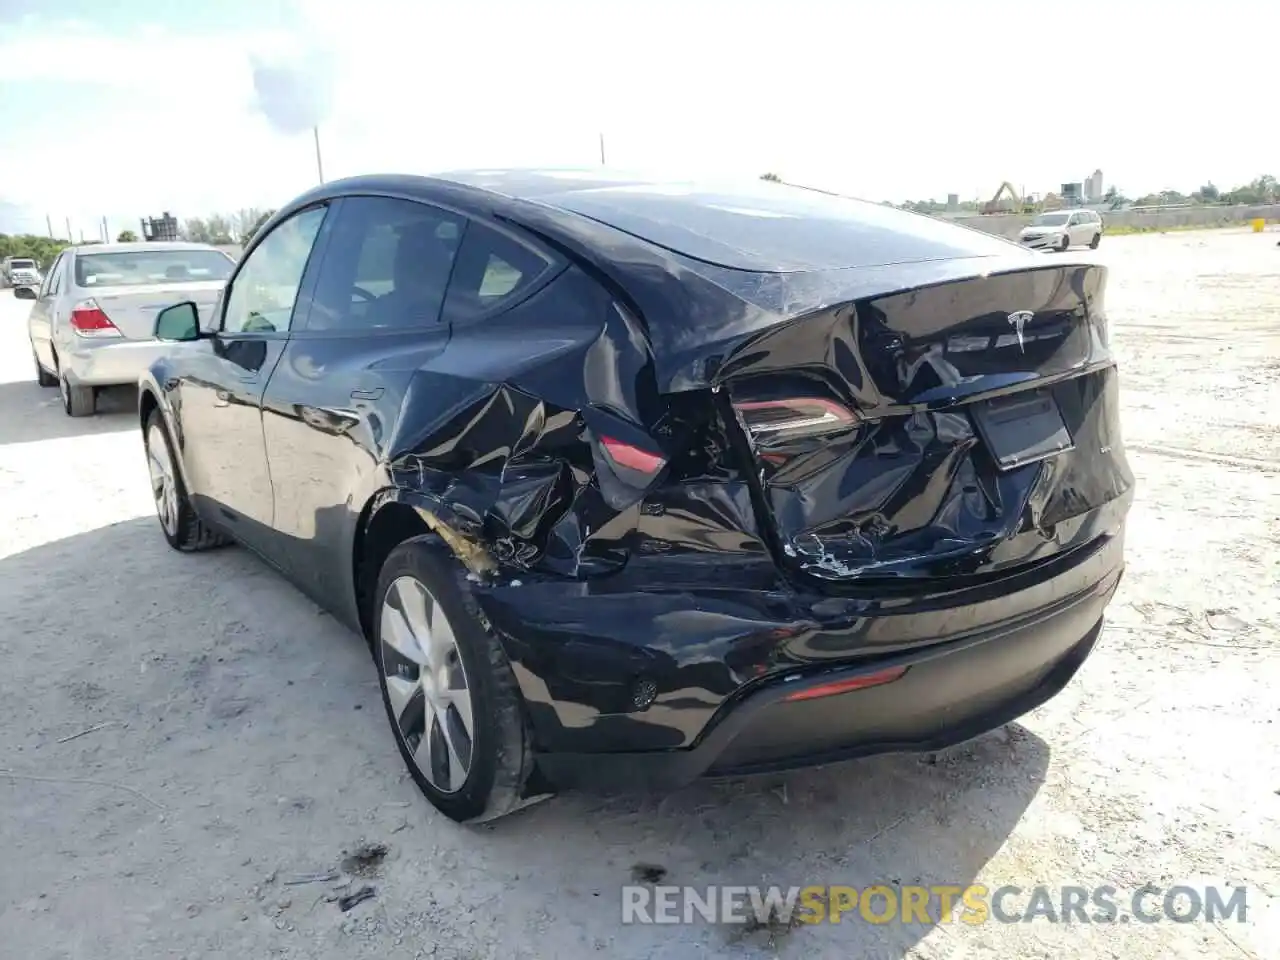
362	293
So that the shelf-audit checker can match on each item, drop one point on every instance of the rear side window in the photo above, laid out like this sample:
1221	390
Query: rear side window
492	272
387	266
48	286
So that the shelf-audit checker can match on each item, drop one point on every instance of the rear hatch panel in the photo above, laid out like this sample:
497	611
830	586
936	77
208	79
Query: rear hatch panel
985	435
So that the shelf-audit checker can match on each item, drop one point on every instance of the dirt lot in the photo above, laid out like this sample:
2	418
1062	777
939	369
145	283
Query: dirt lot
245	743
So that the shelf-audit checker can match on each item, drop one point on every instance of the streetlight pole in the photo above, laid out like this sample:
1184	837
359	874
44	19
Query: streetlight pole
319	164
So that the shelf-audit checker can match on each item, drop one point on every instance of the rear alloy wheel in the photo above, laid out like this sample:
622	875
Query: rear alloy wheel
43	376
77	401
449	692
1097	239
182	528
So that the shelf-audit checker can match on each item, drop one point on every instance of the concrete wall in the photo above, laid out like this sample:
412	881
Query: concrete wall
1008	224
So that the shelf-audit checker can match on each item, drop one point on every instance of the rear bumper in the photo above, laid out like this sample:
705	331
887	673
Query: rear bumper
950	693
101	363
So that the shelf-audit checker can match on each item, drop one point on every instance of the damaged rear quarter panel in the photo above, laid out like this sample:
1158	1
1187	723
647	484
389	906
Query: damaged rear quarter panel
495	445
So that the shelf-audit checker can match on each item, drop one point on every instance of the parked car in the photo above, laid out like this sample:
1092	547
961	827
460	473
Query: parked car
636	482
92	321
1063	230
20	272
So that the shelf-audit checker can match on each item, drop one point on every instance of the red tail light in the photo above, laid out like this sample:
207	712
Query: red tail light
837	687
632	458
88	320
793	417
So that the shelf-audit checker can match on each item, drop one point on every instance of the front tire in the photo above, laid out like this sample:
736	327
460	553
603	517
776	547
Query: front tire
450	695
1066	243
182	528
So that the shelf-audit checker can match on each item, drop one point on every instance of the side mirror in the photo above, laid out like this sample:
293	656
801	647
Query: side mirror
25	293
178	322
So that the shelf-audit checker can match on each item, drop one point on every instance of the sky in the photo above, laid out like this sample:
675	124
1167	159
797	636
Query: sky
133	107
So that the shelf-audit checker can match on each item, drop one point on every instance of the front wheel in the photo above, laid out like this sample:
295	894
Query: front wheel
449	692
1066	243
182	528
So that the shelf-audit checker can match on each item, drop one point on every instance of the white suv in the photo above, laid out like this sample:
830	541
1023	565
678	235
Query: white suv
1063	229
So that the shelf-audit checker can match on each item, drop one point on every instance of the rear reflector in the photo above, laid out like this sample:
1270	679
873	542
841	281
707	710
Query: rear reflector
847	686
88	320
633	458
794	417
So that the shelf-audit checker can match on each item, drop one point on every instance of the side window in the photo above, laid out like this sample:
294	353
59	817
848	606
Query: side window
263	293
49	286
58	282
387	266
492	270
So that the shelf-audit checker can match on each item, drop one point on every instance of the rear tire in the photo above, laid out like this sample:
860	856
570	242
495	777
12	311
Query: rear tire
437	663
1097	239
77	401
178	521
43	376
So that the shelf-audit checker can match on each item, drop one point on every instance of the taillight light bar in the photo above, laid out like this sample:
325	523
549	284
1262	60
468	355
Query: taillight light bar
837	687
793	417
88	320
632	457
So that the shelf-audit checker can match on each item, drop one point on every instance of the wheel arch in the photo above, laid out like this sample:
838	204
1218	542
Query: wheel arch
388	519
149	403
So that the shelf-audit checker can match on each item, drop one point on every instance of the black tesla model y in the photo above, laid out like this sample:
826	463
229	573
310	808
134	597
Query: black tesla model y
637	482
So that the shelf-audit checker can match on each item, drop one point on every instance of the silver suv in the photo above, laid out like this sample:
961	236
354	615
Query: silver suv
1063	229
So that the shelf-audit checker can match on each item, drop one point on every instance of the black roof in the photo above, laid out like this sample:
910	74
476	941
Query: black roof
757	226
751	225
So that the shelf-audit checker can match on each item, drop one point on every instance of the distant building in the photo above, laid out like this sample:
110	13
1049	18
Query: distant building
953	202
1093	187
161	228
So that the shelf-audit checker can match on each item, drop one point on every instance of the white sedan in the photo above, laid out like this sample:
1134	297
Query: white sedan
92	322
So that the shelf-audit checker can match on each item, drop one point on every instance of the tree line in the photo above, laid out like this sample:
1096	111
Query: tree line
1263	189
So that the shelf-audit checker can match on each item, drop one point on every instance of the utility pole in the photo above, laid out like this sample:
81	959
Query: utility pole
48	222
602	149
69	235
319	165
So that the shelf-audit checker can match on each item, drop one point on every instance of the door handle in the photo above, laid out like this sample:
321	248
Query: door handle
373	393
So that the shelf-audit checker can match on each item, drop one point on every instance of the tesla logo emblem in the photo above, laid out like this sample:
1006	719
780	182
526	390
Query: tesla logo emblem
1018	321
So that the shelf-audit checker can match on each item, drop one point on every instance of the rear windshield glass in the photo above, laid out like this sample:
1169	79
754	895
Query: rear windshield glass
775	227
135	268
22	264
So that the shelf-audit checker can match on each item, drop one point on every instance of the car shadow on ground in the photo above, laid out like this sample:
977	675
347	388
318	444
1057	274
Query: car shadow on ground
33	412
255	722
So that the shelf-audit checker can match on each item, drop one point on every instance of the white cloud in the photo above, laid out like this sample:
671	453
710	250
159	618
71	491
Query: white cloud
884	101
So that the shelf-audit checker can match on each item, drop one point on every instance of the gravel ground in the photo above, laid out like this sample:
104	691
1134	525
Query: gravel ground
244	744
